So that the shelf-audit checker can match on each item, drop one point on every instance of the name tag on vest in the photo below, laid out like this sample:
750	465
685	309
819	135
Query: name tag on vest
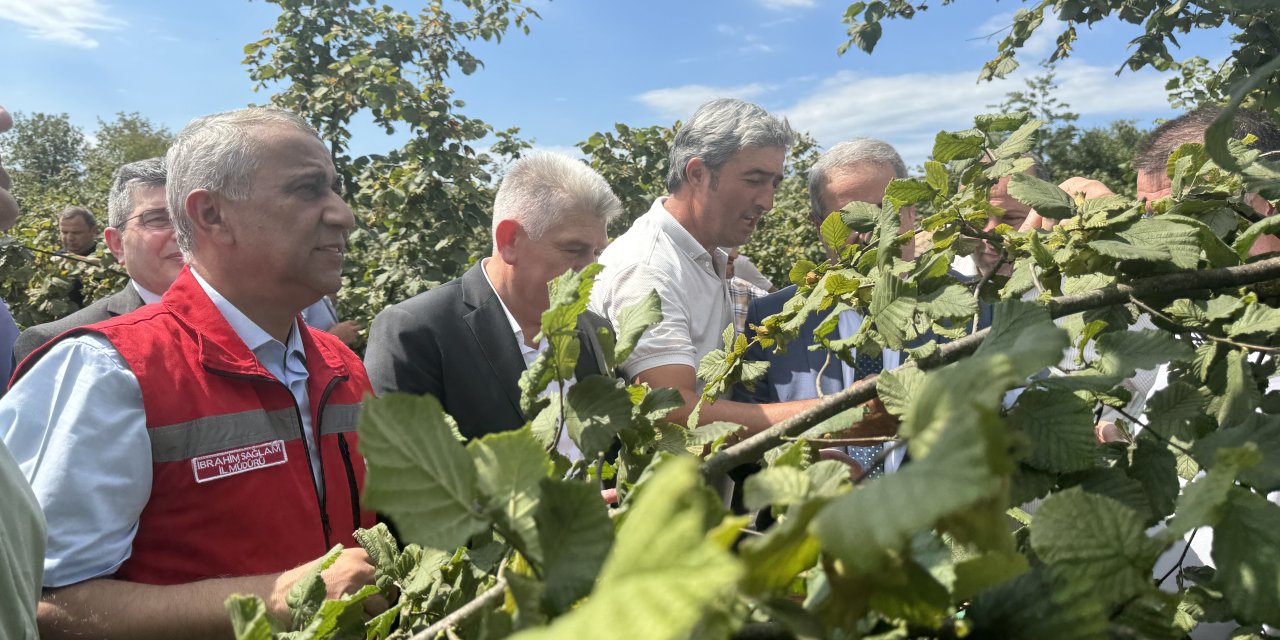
229	463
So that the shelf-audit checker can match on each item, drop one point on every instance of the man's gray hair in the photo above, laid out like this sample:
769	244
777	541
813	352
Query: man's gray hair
720	129
846	155
219	153
128	179
542	187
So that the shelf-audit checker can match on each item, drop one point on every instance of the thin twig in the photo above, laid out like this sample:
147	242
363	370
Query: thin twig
1181	558
465	611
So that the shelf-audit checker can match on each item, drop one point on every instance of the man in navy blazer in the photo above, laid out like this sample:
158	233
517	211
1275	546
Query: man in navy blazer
860	170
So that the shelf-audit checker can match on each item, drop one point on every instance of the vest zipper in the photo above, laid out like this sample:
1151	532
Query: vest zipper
344	451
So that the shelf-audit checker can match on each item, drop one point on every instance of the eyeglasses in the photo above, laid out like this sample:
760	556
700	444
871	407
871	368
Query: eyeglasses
153	220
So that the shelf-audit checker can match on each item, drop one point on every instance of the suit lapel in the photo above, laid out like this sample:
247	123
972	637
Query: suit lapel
123	301
493	336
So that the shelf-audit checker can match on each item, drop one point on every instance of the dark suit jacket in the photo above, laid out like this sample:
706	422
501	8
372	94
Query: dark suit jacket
116	304
791	375
455	343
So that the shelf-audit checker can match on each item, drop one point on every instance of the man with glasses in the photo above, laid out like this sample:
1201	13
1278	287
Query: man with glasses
140	235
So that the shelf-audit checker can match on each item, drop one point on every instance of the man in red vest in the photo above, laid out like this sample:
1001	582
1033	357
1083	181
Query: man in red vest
204	445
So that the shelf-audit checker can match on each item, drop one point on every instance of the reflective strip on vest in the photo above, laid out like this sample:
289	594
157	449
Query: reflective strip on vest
339	418
211	434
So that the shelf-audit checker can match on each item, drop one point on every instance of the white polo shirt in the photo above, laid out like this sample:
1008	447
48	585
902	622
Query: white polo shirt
658	254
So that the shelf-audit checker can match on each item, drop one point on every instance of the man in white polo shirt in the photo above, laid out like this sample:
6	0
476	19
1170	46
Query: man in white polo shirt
726	162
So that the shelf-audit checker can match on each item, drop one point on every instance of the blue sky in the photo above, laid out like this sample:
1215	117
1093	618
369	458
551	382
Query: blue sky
590	63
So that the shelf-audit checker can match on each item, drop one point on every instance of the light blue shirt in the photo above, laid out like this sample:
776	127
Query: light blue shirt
76	426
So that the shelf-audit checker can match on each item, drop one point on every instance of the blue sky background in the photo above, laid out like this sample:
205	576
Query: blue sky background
590	63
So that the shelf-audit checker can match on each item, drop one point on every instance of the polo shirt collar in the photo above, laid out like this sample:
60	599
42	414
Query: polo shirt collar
684	241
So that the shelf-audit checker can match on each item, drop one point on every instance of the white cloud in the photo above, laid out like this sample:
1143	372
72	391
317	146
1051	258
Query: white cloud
63	21
788	4
678	103
909	110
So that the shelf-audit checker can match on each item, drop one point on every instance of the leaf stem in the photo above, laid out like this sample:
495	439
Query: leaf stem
1208	336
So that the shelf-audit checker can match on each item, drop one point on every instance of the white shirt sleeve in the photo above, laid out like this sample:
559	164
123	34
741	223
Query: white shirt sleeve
667	342
77	428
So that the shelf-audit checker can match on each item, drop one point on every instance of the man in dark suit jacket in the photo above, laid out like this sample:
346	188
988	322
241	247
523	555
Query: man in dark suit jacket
468	341
140	235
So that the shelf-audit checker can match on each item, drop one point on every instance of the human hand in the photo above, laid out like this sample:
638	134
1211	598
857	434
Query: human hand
8	206
348	574
347	331
876	425
1086	187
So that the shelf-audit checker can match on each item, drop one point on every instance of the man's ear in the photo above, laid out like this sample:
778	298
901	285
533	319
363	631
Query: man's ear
697	172
507	236
204	208
115	242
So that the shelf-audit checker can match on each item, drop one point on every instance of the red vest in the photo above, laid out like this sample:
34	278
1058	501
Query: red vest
232	488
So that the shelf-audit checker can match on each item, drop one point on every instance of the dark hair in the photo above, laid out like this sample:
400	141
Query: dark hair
78	212
1152	155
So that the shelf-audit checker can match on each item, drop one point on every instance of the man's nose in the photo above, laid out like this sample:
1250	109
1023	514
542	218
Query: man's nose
765	199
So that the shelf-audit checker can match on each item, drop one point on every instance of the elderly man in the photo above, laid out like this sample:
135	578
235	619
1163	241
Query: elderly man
204	445
140	235
467	342
726	162
78	231
854	170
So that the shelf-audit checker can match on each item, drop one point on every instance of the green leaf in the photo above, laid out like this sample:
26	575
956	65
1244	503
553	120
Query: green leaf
1126	251
908	191
897	389
892	307
509	468
864	528
308	593
977	574
576	535
1241	396
249	618
384	554
951	146
776	486
1172	411
935	173
785	550
663	574
1122	353
1037	605
1217	136
1201	504
1024	333
1244	242
954	301
633	321
1180	240
1045	197
835	232
340	618
1264	434
1156	468
858	216
1094	541
1257	318
418	473
799	271
1060	425
534	380
596	410
1246	550
1019	142
709	433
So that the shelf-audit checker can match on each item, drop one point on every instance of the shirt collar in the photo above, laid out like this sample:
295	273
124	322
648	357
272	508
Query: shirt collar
144	293
511	319
684	240
253	336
